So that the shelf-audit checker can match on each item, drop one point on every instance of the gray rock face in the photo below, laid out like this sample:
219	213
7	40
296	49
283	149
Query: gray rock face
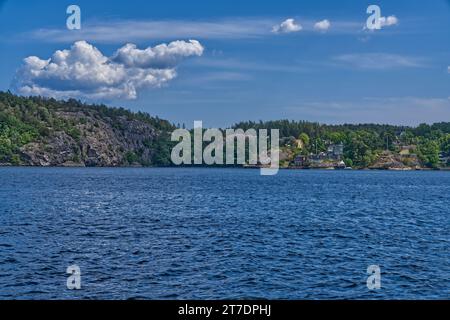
94	141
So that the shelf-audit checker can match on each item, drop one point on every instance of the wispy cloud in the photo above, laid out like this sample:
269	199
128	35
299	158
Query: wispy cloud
378	61
220	76
402	110
131	30
246	65
121	31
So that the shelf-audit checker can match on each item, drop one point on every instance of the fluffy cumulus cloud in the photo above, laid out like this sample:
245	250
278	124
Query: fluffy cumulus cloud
160	57
388	21
323	25
385	22
84	72
287	26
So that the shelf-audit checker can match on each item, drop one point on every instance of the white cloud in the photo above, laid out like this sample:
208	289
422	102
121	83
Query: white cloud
378	61
250	65
84	72
121	31
448	69
389	21
162	56
138	31
287	26
323	25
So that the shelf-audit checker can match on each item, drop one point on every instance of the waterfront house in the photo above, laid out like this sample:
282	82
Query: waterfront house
407	150
444	159
332	158
301	161
335	151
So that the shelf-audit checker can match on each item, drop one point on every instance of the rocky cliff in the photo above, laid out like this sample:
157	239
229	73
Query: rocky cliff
46	132
390	161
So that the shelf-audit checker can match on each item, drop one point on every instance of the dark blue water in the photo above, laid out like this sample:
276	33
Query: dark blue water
223	233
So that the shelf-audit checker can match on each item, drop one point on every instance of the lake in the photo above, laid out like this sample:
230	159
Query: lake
223	233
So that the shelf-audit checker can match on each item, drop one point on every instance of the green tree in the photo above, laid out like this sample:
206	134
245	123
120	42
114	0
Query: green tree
428	152
305	139
445	144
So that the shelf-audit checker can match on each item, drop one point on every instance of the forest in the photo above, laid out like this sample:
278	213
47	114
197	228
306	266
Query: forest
26	120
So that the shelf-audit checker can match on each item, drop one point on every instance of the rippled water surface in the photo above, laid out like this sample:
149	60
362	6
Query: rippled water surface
223	233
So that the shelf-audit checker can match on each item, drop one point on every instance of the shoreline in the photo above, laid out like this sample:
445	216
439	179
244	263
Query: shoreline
223	167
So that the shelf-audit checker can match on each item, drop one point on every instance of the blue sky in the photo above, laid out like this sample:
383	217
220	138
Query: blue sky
244	70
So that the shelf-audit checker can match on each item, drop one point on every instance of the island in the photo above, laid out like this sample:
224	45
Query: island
44	132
